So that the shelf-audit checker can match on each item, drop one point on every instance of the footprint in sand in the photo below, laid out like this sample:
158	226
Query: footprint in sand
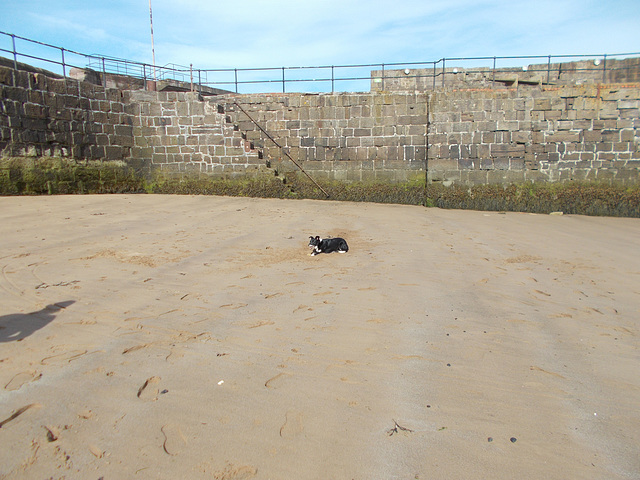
62	357
148	391
274	382
323	293
134	348
303	307
233	306
85	414
538	369
293	424
174	440
262	323
378	320
96	451
231	472
21	378
271	295
540	292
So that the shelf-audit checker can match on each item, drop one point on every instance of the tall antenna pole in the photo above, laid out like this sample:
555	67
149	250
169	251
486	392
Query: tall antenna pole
153	50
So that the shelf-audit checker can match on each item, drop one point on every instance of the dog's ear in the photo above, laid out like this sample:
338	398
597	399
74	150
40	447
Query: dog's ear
310	237
317	238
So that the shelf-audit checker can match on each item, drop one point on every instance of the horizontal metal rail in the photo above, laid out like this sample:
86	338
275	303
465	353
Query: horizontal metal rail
260	80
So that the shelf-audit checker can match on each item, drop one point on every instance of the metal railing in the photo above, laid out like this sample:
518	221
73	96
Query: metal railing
328	78
60	61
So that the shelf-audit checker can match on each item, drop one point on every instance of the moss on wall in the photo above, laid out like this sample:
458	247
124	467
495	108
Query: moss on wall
570	198
37	176
193	184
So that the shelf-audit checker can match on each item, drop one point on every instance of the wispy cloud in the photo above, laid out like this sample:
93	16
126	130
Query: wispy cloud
258	33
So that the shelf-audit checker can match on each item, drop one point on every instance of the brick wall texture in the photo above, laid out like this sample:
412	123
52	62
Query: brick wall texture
44	116
352	137
453	136
586	133
181	133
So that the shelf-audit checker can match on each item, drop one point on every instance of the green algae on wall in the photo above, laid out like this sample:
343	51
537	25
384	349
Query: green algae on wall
570	198
49	175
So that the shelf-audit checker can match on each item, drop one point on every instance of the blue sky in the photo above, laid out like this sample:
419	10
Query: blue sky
253	33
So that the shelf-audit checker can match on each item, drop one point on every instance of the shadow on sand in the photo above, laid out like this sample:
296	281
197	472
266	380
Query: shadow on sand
18	326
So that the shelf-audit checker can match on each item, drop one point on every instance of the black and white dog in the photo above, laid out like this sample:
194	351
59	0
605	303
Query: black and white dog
328	245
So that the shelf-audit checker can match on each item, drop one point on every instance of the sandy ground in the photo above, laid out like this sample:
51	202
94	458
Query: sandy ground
168	337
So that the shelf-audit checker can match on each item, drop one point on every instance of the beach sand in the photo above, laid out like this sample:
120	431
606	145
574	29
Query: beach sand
165	337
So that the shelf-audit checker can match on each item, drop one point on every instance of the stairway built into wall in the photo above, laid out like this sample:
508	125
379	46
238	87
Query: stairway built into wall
344	136
178	132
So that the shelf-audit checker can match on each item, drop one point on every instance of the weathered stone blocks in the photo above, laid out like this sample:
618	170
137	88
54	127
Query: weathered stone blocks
457	136
559	133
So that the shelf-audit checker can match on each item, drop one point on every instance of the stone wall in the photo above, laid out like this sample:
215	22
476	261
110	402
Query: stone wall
45	116
449	136
180	132
588	133
354	137
463	137
536	75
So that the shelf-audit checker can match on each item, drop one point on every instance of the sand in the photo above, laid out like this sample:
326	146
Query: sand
170	337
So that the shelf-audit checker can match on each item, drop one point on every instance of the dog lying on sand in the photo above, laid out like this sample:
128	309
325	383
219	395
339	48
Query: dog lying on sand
327	245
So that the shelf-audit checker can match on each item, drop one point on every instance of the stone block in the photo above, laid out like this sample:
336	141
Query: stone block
362	132
504	177
488	137
113	152
307	142
562	137
521	137
123	141
366	122
592	135
628	135
542	104
367	141
124	130
467	163
501	163
611	135
551	115
507	150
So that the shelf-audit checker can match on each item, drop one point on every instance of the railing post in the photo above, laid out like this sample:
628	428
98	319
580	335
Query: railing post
493	77
235	70
200	82
549	70
332	89
383	77
283	81
191	76
144	75
604	68
64	69
434	75
443	71
15	54
104	73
